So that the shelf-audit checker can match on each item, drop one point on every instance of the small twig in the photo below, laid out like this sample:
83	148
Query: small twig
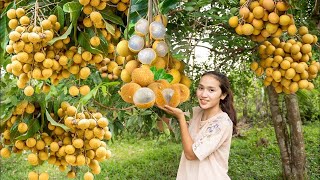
112	108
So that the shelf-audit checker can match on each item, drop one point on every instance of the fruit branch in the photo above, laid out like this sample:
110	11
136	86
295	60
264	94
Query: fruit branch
112	108
36	7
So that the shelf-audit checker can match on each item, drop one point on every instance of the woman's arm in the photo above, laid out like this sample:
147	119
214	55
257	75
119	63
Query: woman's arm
187	141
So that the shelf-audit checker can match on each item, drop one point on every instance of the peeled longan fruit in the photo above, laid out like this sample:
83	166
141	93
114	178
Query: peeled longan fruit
144	98
136	43
161	48
157	30
169	96
141	27
147	56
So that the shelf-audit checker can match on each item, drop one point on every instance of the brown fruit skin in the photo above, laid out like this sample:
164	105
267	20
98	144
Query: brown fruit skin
142	76
127	91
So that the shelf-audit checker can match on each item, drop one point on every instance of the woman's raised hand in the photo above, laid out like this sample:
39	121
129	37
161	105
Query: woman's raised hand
176	112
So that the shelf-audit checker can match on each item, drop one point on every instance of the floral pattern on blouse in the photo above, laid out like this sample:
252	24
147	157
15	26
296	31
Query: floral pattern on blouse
212	130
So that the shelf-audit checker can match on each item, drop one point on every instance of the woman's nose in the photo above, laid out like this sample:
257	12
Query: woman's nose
204	93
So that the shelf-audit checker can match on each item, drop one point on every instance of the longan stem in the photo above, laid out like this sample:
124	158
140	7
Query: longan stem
36	7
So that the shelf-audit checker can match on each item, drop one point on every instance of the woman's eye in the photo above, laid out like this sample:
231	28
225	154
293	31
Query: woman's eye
200	88
211	90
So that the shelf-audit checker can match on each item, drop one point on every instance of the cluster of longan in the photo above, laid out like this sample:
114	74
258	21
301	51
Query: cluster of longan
31	58
263	19
110	66
122	5
141	88
288	65
82	144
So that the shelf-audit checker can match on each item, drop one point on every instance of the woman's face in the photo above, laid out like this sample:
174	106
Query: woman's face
209	92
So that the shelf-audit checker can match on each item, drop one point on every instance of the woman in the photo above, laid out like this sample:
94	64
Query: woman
206	143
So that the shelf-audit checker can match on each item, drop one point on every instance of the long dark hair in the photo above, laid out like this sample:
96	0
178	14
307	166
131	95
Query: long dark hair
226	104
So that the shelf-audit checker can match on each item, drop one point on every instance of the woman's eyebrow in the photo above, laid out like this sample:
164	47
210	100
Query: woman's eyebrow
212	87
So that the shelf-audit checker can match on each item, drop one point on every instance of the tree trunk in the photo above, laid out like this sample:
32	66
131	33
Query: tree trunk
281	132
298	155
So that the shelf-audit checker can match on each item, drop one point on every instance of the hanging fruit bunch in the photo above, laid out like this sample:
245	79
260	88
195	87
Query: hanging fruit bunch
263	19
287	65
77	140
151	55
48	45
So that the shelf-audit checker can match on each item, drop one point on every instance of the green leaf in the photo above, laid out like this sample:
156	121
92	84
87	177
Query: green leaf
65	35
6	113
33	125
60	15
84	41
14	130
84	100
103	43
110	16
189	8
54	123
161	74
138	9
74	8
110	28
4	32
168	5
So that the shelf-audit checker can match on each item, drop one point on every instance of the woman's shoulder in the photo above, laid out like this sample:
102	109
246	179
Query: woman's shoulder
223	118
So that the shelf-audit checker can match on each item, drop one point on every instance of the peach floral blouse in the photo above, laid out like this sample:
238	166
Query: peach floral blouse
212	140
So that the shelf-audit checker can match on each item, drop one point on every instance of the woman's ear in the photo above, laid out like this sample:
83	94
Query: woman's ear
223	96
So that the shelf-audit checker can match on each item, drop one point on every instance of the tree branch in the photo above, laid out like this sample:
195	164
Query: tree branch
112	108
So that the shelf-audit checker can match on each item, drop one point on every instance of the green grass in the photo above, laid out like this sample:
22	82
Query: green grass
152	159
